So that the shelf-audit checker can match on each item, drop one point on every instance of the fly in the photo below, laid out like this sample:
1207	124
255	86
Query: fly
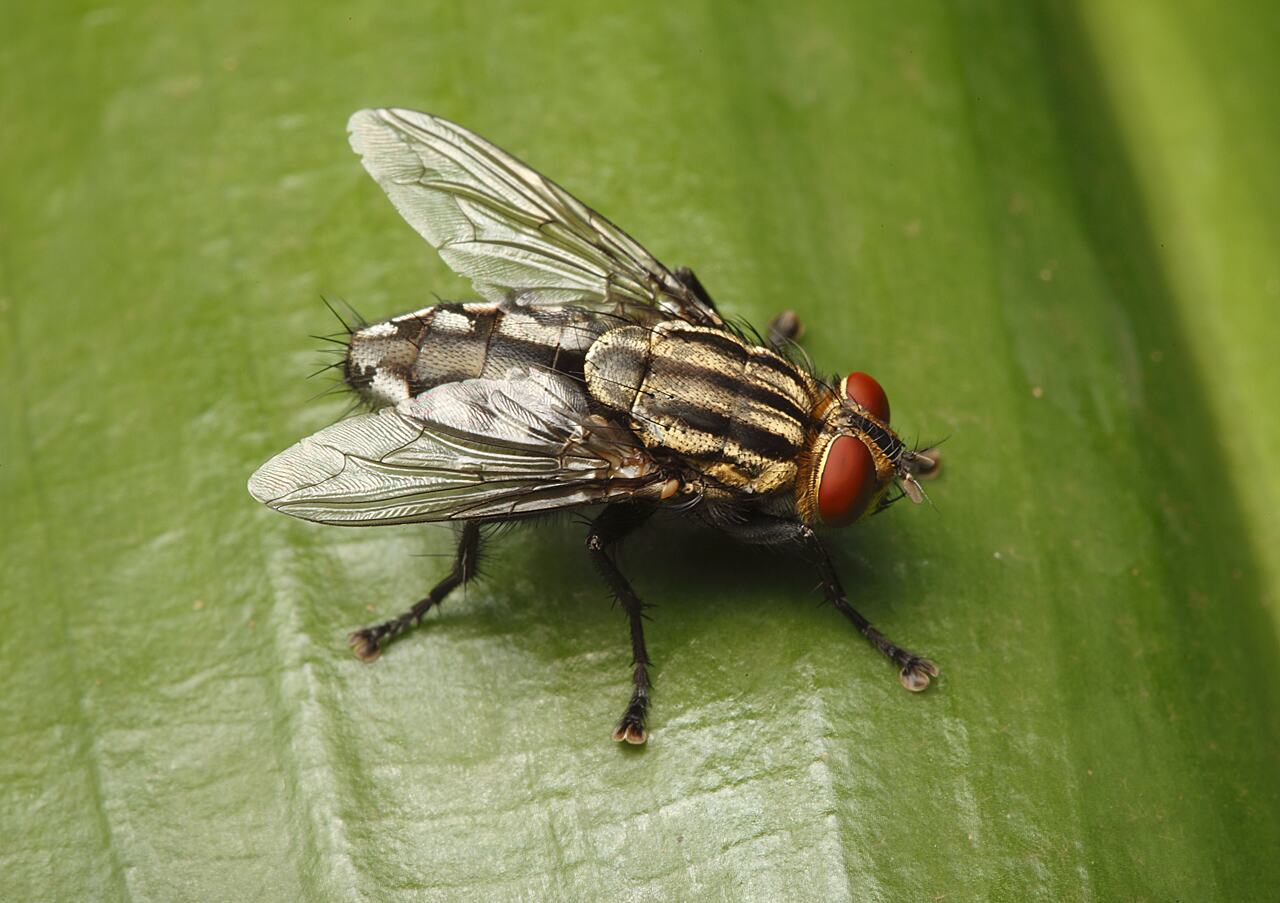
589	375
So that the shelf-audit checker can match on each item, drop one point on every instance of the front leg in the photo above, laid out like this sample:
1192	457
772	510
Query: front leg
767	530
691	281
784	331
614	523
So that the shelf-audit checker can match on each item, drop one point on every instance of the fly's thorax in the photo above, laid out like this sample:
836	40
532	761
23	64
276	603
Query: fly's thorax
737	413
407	355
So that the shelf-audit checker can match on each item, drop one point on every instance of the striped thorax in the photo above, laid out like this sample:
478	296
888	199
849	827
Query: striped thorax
740	414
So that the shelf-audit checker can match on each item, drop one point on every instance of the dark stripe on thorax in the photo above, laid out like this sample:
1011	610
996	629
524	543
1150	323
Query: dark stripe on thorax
725	344
760	393
752	439
763	442
779	365
733	348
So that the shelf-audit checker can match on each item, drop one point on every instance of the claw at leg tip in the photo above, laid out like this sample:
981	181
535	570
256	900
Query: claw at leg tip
915	677
365	649
631	733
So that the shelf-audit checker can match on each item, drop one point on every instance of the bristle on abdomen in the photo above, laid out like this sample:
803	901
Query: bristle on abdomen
407	355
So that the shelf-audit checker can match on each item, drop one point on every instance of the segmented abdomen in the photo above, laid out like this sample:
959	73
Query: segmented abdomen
406	355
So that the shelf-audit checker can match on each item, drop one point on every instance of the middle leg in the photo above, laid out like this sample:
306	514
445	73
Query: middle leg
614	523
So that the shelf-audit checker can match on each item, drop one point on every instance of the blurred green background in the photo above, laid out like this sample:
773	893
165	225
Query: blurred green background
1050	230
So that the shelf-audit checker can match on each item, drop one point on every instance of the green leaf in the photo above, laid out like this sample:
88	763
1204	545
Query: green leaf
1050	232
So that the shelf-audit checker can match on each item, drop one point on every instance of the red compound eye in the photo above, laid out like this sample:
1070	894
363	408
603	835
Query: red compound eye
846	481
867	392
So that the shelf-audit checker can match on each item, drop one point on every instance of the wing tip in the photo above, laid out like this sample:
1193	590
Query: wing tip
383	118
263	485
297	467
383	138
361	124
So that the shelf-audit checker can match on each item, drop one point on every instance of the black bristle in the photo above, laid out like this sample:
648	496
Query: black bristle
333	310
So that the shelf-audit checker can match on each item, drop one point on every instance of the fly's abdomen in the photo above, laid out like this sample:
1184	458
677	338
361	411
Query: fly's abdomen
407	355
740	413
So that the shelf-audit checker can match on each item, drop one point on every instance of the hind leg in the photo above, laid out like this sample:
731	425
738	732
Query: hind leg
614	523
367	643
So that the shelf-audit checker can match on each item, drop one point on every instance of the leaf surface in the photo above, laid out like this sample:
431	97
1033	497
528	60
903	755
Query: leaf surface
1049	232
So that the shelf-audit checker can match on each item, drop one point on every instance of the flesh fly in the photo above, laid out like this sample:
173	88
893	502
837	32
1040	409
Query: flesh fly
588	375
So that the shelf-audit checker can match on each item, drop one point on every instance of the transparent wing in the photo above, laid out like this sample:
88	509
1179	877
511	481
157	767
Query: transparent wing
505	227
480	449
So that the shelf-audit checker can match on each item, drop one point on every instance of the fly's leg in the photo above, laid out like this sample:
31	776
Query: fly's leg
785	329
690	281
615	522
367	643
915	670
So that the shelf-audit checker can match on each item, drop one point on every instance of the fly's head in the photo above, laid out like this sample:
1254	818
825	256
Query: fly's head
857	458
